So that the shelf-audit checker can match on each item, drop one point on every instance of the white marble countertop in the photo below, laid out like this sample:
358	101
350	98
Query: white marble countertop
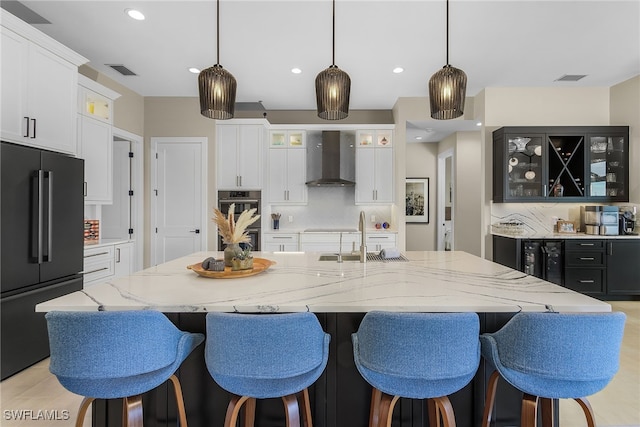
106	242
429	282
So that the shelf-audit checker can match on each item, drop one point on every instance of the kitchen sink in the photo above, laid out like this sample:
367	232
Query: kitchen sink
334	257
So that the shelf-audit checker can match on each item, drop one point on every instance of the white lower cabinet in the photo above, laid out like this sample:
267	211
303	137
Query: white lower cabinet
379	241
123	259
107	261
329	242
280	242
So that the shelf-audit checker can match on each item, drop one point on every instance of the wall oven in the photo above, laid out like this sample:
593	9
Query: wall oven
243	200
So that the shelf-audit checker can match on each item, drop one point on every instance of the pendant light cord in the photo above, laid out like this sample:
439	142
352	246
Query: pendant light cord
218	32
447	32
333	46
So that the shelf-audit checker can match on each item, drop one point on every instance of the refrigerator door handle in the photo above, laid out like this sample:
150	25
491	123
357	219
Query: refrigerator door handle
37	219
48	247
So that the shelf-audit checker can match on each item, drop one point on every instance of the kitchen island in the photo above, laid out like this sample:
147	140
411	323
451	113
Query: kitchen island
339	294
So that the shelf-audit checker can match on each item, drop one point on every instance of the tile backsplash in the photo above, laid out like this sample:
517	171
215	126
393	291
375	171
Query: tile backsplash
327	207
537	218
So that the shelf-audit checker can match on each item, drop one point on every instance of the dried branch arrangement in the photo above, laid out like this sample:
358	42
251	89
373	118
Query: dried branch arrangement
233	231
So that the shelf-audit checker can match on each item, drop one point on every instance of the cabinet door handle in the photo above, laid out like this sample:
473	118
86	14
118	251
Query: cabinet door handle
586	281
95	271
26	127
586	244
34	128
610	247
282	237
117	255
96	254
587	258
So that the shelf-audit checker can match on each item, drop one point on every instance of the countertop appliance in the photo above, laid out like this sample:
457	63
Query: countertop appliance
41	224
599	220
627	220
242	200
543	259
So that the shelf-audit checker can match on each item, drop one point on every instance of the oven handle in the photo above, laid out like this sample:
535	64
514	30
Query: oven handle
238	201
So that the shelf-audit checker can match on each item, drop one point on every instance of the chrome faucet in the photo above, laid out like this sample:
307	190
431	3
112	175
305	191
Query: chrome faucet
340	249
363	238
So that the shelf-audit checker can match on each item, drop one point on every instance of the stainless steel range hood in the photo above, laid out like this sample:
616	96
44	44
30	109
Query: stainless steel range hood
331	161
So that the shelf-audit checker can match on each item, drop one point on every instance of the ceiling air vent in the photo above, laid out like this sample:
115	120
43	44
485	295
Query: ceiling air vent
571	77
121	69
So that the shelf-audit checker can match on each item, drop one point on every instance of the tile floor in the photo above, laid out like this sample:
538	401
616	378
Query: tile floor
35	389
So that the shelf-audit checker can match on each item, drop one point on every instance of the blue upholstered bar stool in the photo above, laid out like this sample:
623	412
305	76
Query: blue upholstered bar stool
259	356
418	356
117	354
553	356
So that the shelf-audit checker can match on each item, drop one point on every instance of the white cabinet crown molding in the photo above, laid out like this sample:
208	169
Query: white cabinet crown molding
86	82
38	37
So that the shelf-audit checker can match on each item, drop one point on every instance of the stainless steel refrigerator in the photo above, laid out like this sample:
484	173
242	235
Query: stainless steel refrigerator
41	251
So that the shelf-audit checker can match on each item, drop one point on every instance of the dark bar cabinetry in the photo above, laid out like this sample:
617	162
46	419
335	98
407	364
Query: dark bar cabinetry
599	267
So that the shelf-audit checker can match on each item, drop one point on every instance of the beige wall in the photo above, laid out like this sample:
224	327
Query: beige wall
421	162
468	197
625	110
179	117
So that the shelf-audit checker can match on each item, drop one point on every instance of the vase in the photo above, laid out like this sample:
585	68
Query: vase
241	264
230	252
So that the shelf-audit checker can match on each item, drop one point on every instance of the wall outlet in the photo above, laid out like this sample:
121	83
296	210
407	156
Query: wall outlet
373	218
290	218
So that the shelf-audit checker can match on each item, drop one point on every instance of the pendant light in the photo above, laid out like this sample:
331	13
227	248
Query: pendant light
447	89
333	86
217	86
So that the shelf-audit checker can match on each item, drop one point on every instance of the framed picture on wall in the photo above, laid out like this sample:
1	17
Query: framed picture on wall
417	200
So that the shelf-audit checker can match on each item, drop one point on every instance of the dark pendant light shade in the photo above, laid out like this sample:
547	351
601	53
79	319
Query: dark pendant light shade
217	86
447	89
332	93
333	86
217	93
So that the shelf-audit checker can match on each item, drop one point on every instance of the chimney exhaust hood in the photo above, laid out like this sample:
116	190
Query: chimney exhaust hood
331	162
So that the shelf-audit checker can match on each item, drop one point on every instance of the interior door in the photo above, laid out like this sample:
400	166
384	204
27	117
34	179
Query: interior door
179	197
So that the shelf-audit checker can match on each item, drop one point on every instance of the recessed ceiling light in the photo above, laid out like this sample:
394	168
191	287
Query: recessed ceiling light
398	70
194	70
479	124
296	70
418	137
135	14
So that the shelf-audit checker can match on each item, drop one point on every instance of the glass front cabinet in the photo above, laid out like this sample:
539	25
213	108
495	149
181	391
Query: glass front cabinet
561	164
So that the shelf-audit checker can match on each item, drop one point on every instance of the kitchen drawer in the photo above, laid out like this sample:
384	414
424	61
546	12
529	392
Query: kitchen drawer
584	259
280	242
583	245
98	264
586	280
379	241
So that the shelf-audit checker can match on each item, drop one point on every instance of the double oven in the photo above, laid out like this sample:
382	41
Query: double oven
243	200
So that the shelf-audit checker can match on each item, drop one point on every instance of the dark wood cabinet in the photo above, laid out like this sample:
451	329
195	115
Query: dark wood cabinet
561	164
623	267
602	268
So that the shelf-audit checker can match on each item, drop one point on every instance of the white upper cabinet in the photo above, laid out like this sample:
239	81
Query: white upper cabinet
239	156
39	86
95	138
374	167
287	167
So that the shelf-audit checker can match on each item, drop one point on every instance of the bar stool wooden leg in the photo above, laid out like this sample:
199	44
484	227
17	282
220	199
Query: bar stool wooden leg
179	400
292	410
82	411
445	411
132	415
235	404
588	412
307	421
250	412
529	414
387	403
546	409
490	398
434	413
374	409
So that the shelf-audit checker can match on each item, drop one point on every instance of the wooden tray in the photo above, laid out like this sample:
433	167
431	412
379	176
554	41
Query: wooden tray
259	265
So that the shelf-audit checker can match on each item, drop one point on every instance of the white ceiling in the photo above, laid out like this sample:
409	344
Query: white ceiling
497	43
